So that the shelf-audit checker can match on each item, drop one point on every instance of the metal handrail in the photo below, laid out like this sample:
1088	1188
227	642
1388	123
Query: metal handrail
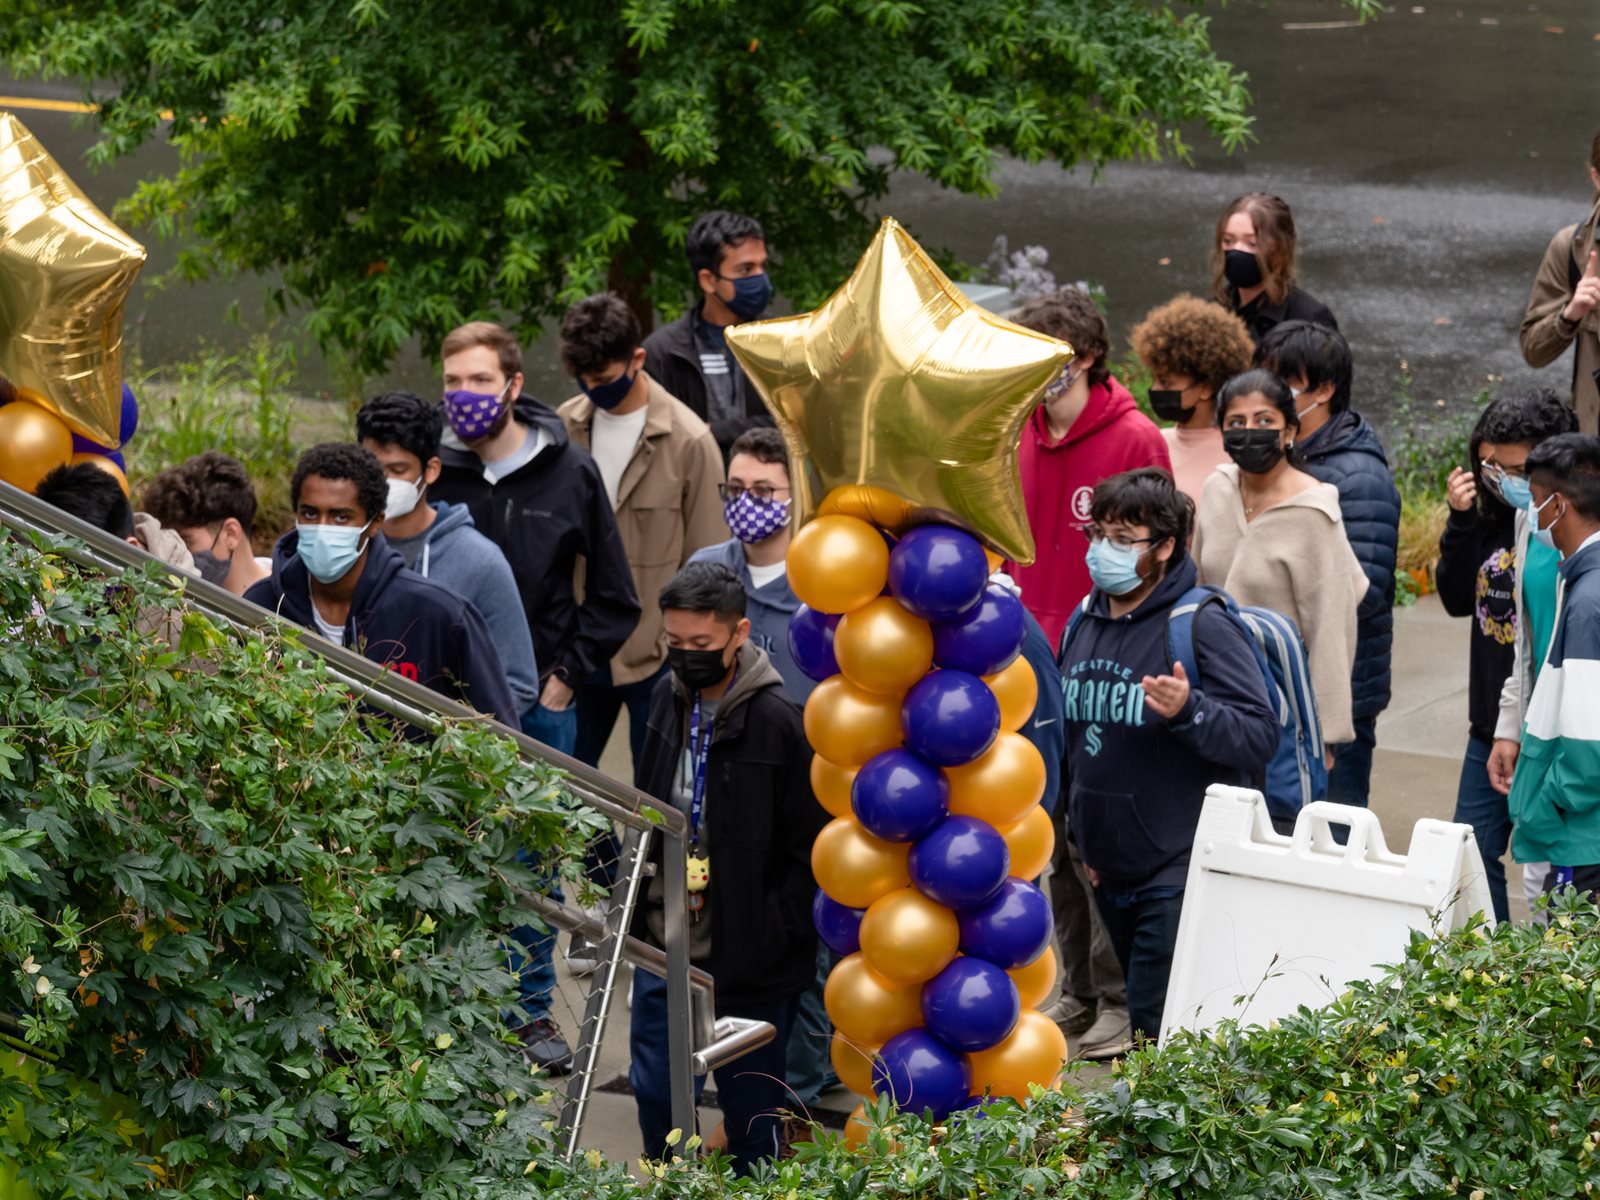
421	706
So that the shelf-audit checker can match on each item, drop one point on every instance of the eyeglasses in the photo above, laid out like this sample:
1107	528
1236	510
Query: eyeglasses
761	493
1095	534
1499	471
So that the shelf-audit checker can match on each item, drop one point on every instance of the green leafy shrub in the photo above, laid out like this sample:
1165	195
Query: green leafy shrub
256	913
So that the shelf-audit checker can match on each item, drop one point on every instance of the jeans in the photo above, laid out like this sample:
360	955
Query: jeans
1350	781
558	730
598	702
1090	972
1144	934
1479	805
750	1089
809	1064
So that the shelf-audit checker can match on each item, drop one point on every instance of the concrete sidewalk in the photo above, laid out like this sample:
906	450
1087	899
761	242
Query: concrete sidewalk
1416	768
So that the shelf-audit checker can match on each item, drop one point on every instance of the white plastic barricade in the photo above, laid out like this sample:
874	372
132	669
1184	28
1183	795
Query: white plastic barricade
1271	922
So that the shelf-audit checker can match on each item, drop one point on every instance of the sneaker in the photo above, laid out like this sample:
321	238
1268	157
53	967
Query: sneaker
544	1046
582	955
1072	1015
1110	1035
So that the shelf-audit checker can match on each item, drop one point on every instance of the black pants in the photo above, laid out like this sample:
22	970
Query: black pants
1144	933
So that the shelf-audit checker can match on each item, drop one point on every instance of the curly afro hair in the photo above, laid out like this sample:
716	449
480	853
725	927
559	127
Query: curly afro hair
344	460
1196	338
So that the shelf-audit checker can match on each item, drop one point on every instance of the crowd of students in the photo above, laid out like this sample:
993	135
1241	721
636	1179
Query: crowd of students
626	551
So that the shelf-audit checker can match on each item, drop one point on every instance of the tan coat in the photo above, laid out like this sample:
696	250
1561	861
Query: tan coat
1545	335
667	508
1295	559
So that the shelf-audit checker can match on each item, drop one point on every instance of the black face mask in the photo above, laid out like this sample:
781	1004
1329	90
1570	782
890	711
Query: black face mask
1256	451
1167	403
697	668
1241	268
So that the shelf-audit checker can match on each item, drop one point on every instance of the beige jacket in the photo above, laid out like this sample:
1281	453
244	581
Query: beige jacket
163	543
667	508
1545	335
1294	559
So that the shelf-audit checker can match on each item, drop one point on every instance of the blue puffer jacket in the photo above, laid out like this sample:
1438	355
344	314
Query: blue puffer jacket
1346	453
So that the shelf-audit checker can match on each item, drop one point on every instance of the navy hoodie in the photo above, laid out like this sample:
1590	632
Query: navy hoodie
416	627
1135	782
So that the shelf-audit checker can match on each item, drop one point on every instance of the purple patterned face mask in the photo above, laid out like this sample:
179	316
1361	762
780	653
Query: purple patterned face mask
753	520
473	414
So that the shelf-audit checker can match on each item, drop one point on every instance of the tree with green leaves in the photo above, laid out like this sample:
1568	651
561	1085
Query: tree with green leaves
405	166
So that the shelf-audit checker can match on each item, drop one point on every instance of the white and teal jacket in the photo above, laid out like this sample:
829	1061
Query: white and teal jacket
1555	793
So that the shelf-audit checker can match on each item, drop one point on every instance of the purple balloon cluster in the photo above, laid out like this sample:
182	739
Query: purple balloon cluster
950	717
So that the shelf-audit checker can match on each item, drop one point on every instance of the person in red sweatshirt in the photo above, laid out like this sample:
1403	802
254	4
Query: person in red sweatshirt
1087	429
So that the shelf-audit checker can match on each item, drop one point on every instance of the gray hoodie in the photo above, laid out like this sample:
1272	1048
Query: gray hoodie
452	552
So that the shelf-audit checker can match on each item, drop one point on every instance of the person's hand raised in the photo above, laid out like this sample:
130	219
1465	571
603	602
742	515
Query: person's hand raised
1587	294
1462	490
1167	694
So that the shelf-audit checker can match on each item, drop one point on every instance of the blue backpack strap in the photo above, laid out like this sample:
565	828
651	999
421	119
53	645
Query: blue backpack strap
1180	626
1068	633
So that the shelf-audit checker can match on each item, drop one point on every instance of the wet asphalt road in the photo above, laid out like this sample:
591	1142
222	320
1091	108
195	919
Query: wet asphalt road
1428	158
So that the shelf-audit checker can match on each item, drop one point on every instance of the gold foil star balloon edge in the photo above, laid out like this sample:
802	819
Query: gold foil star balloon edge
66	271
901	401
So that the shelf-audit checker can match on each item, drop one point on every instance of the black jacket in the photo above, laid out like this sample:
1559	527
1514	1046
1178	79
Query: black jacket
1346	453
416	627
1259	316
544	517
760	820
1476	577
673	360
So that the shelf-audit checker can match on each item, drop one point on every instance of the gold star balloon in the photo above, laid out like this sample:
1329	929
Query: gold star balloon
65	274
904	396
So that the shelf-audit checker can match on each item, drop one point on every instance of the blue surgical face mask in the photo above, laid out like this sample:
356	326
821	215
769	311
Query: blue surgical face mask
1114	569
751	295
329	551
609	395
1545	537
1514	490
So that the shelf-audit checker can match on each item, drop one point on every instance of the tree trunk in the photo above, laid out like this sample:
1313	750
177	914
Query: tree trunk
624	280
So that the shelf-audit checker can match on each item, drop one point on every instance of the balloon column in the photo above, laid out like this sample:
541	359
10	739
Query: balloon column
925	877
35	441
902	404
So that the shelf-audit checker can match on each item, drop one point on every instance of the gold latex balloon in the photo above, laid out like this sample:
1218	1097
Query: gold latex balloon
872	504
908	938
1000	786
883	648
837	563
852	1063
65	274
848	725
831	784
855	868
1034	1053
103	463
1032	841
865	1008
1035	980
856	1129
1017	689
32	444
900	382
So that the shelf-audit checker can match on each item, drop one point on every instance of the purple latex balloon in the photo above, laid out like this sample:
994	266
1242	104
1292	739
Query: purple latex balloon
921	1074
950	717
899	797
811	642
128	421
971	1005
937	572
82	445
1011	929
839	927
984	639
961	864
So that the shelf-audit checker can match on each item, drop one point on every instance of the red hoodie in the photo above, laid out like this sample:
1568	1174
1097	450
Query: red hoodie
1111	435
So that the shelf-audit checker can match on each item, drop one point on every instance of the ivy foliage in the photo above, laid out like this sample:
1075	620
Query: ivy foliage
255	916
404	166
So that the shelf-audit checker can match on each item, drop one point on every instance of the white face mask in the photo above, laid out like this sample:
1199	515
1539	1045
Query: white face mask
1300	413
404	495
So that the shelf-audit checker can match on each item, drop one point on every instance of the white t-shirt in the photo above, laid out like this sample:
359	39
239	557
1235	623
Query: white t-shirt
761	576
334	633
612	440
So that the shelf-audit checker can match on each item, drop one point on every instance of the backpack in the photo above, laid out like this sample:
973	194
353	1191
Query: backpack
1296	774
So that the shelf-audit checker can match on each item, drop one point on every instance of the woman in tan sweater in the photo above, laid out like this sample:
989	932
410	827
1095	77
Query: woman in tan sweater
1272	536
